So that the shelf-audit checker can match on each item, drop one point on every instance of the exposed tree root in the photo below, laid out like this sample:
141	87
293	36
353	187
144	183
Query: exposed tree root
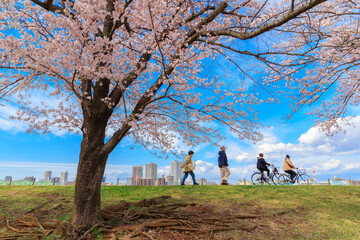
140	220
173	217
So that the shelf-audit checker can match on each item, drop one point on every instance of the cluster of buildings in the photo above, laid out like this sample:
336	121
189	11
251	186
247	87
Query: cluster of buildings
151	178
63	179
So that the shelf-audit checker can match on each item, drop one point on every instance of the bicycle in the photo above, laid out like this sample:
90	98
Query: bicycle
259	178
301	178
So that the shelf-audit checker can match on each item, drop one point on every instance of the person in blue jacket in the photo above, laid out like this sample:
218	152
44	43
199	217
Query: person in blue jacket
223	165
262	165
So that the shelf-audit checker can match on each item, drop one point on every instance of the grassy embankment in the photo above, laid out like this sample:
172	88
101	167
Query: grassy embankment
312	212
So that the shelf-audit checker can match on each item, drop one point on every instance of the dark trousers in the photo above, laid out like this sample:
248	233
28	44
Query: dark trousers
292	174
264	169
186	175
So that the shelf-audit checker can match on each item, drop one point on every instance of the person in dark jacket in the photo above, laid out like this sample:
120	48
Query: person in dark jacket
223	165
262	164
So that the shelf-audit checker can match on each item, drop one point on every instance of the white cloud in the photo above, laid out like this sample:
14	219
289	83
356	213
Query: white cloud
351	166
338	143
206	167
8	124
242	157
331	165
238	173
164	170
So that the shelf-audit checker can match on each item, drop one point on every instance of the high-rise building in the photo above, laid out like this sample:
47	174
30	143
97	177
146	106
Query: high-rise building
63	177
151	172
137	173
170	180
129	181
47	176
176	171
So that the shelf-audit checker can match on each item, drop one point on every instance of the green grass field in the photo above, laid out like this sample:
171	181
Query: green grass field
307	212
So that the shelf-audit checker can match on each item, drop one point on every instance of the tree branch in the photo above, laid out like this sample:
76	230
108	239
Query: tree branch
49	5
265	28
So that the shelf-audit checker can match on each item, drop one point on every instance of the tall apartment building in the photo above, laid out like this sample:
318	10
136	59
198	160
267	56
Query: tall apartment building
63	177
47	176
129	181
176	171
170	180
137	173
151	172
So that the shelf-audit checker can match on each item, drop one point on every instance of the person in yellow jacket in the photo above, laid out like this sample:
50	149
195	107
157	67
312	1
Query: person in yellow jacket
288	166
188	167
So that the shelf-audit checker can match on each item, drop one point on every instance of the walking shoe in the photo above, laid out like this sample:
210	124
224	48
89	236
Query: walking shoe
196	184
183	184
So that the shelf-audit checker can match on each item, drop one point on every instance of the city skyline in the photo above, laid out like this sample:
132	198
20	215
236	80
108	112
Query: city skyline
161	181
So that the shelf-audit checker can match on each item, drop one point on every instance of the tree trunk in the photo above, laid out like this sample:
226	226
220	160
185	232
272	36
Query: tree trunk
91	167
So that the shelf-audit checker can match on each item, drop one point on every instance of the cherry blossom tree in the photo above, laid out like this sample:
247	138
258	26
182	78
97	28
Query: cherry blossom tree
135	68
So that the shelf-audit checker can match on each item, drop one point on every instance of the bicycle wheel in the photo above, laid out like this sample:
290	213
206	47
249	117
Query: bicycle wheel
256	179
278	179
303	179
